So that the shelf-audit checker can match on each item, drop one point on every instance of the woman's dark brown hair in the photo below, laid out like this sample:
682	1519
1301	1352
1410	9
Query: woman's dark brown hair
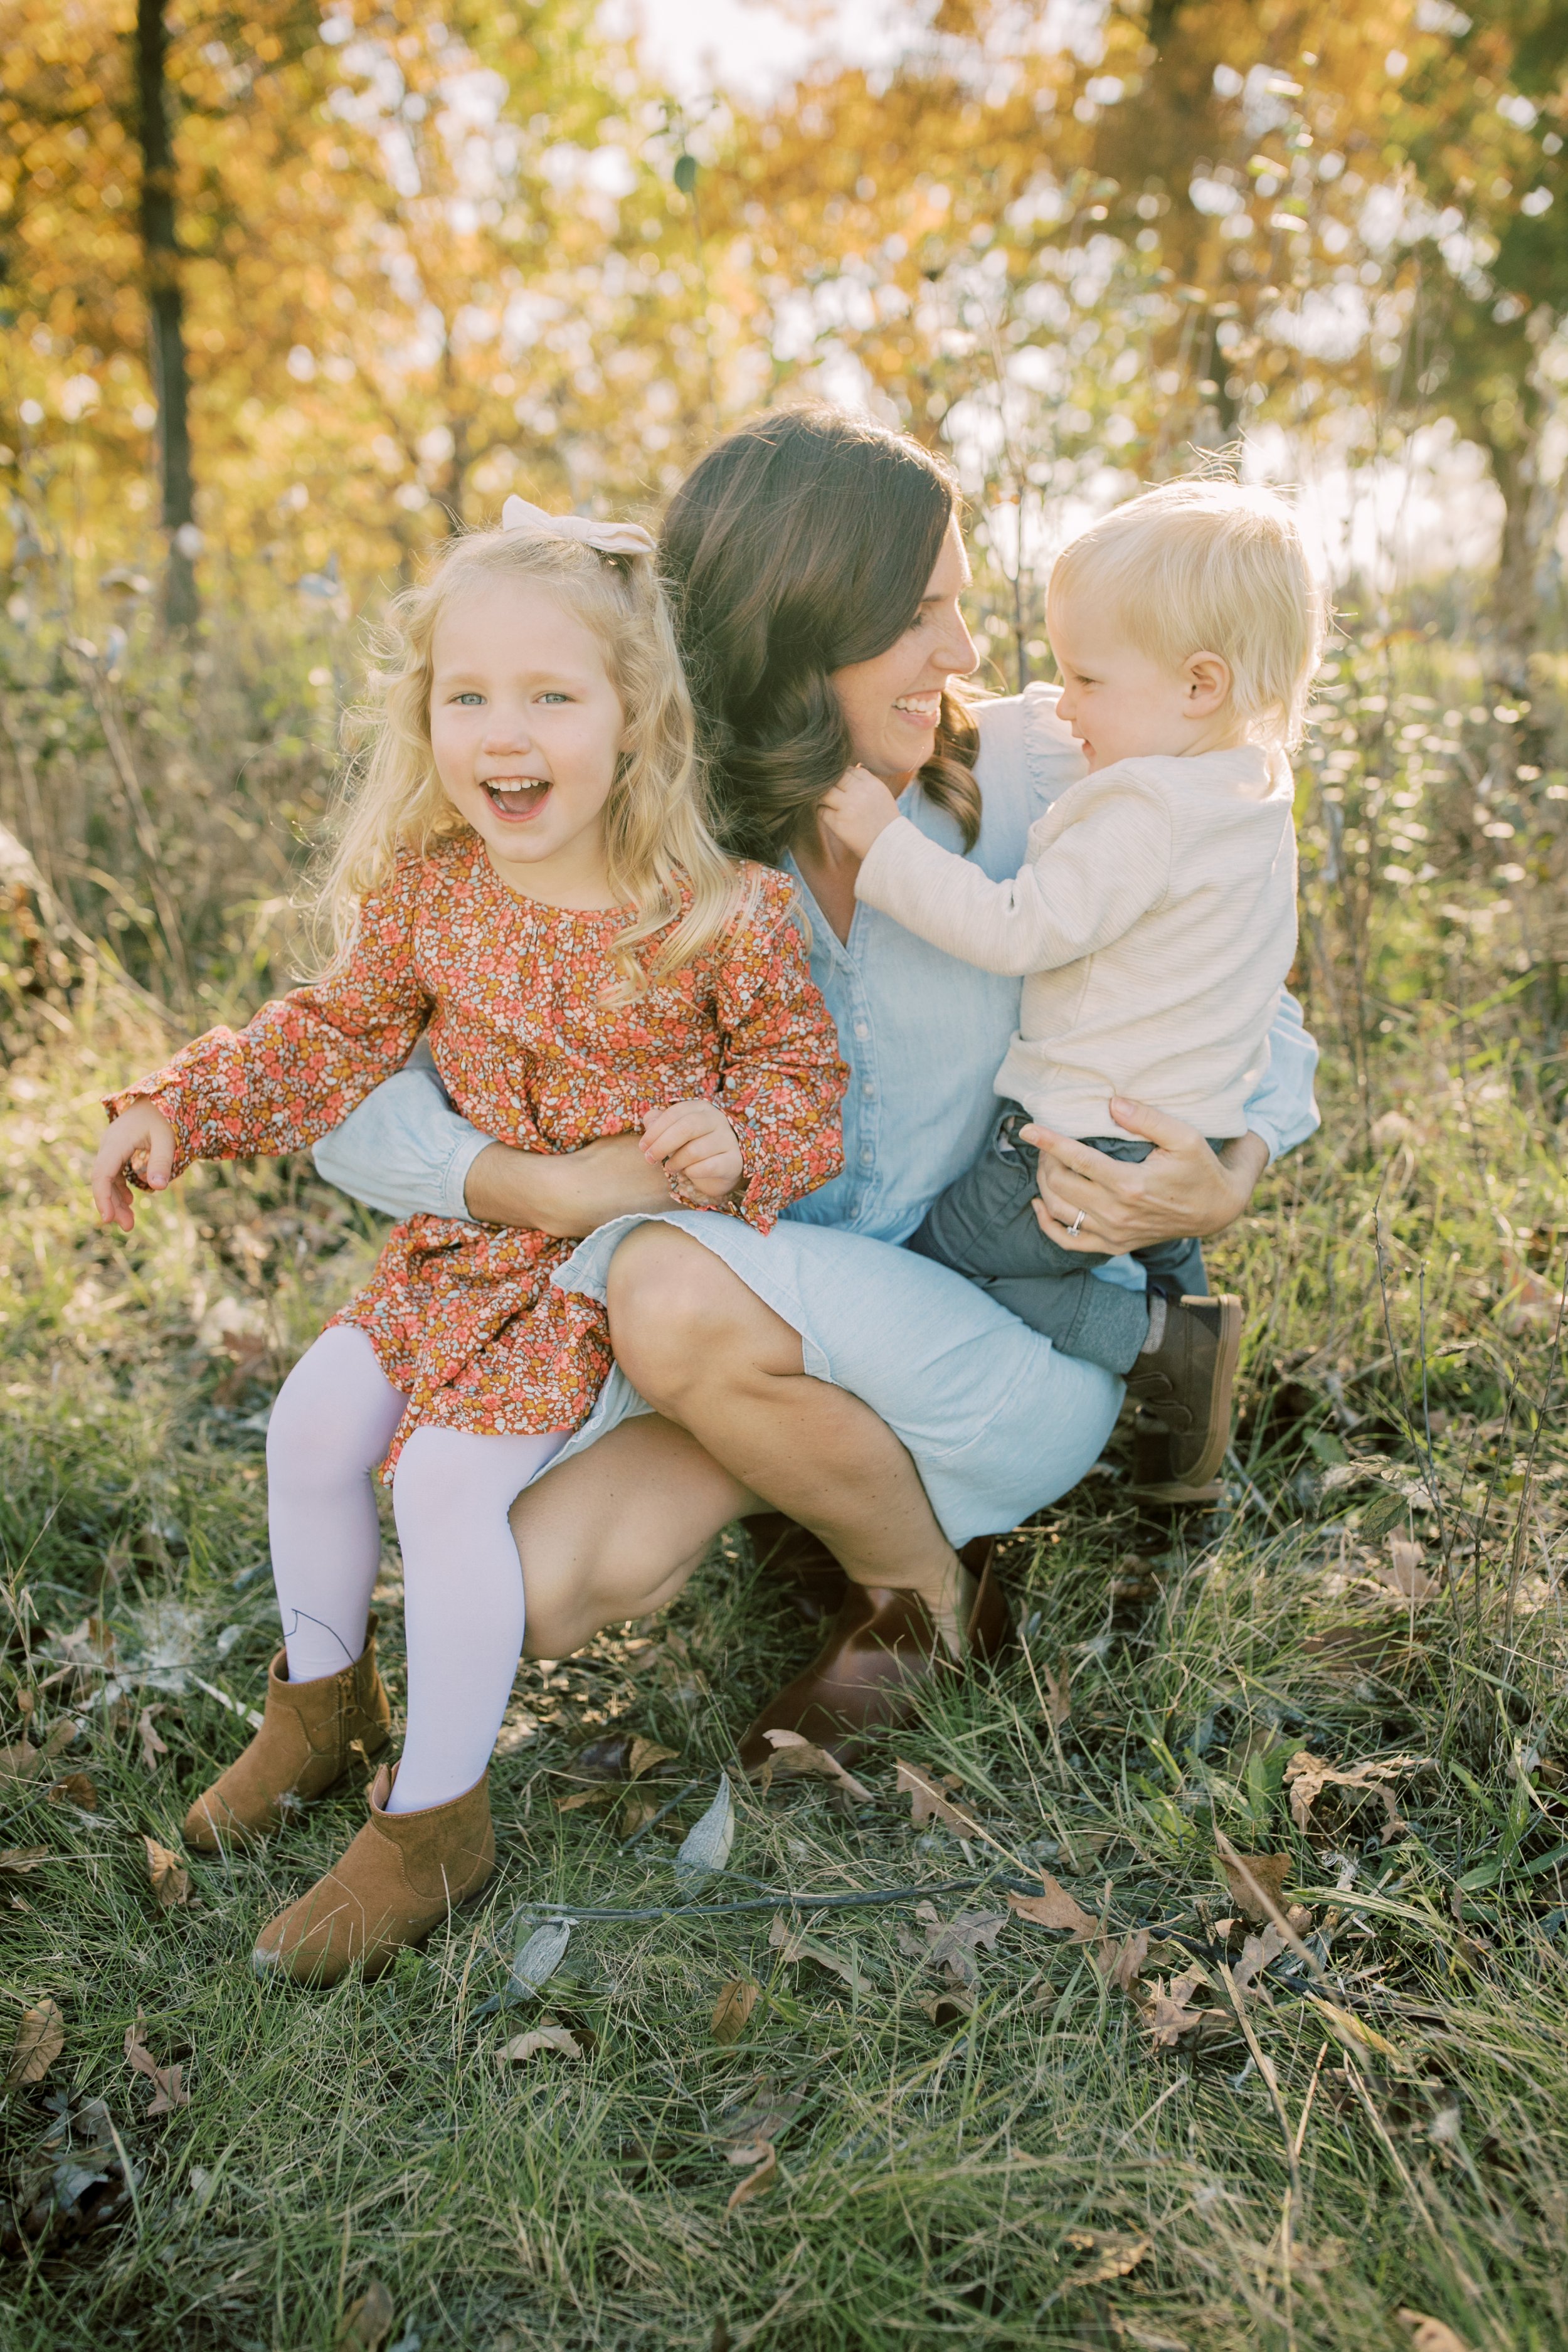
802	542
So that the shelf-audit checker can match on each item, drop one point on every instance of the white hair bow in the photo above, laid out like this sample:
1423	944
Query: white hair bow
609	538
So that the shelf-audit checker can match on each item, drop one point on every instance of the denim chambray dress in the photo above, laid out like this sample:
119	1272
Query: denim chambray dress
999	1424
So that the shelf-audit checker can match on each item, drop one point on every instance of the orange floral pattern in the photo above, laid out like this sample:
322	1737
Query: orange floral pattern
465	1319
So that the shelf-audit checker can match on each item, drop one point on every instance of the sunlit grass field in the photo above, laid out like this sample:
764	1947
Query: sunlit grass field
953	2124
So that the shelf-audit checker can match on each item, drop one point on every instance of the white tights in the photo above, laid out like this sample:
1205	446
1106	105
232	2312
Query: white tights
462	1584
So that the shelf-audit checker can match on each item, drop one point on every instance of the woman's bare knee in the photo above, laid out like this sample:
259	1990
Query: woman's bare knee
676	1309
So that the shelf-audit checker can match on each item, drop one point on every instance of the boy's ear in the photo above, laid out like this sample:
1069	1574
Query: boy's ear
1206	683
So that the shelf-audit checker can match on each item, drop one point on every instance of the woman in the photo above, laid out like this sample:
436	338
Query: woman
880	1401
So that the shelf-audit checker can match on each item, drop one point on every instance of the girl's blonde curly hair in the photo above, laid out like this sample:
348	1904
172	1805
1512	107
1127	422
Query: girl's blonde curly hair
665	864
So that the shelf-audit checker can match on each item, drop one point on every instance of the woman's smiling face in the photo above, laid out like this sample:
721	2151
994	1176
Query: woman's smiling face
526	728
892	704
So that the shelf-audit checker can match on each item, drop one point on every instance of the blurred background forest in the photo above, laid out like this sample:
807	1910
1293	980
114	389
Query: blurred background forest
288	294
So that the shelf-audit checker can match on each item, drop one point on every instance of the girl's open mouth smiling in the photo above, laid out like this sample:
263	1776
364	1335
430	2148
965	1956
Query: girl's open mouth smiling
923	710
518	797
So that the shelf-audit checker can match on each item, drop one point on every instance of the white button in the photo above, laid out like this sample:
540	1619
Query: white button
867	1087
862	1029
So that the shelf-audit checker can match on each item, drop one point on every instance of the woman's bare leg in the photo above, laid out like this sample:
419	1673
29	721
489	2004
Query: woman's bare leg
615	1532
711	1356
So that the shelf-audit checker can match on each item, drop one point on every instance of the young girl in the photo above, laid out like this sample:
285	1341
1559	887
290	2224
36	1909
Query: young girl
525	874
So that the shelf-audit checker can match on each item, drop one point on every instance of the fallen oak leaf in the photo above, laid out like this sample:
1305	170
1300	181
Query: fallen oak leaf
794	1756
75	1789
40	2038
1257	1883
604	1795
524	2047
19	1859
168	2092
757	2183
1058	1695
733	2010
1168	2015
1113	2255
1256	1953
1124	1966
1055	1908
1307	1776
948	2008
367	2323
24	1762
644	1755
152	1747
929	1801
1405	1572
167	1876
952	1942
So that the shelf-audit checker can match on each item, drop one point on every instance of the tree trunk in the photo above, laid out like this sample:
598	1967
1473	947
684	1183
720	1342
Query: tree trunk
1517	473
165	310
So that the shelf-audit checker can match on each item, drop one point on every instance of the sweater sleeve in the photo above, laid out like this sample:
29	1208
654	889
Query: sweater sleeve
783	1078
1103	870
306	1059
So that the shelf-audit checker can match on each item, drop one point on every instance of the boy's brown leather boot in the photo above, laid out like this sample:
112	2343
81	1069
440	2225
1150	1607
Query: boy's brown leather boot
304	1748
398	1880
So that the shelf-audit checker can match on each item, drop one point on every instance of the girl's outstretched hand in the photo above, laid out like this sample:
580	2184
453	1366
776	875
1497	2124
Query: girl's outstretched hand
141	1138
694	1142
859	808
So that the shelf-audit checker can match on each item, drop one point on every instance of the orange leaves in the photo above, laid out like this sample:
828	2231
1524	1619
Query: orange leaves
167	1876
1307	1776
1252	1877
794	1755
1169	2015
523	2047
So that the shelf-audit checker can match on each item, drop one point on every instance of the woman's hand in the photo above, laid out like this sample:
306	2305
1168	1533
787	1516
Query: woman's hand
1183	1189
567	1194
141	1138
857	809
694	1143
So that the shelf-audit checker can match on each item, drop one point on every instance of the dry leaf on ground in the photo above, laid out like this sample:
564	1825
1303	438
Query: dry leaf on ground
605	1795
1307	1776
1247	1874
1111	2254
367	2324
644	1755
952	1944
40	2038
1256	1955
1059	1694
1055	1908
1427	2335
733	2010
152	1745
1168	2015
543	2037
1124	1965
24	1762
794	1944
75	1789
948	2007
928	1799
795	1756
1404	1571
16	1860
635	1814
168	2092
758	2183
169	1879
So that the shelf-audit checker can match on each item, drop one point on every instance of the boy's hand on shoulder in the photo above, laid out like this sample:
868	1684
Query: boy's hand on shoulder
859	808
696	1146
143	1138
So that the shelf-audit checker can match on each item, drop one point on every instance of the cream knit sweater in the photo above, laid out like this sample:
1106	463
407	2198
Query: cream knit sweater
1154	925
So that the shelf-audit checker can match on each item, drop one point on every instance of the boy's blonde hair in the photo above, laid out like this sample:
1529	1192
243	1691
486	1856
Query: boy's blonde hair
661	851
1207	566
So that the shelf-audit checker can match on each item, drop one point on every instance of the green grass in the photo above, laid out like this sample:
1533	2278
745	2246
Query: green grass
1037	2171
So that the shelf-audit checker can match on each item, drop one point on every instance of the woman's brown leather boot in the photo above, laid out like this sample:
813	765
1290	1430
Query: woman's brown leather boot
882	1652
399	1879
305	1746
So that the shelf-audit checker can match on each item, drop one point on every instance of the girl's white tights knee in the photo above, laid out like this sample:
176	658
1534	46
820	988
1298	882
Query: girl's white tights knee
462	1583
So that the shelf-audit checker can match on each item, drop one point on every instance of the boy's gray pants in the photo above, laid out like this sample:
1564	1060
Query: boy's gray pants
984	1226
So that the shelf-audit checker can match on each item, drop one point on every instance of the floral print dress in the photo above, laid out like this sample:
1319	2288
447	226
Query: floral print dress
465	1318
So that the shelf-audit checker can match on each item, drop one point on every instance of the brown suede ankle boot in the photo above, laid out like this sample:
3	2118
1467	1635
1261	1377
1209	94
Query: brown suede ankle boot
303	1748
399	1879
